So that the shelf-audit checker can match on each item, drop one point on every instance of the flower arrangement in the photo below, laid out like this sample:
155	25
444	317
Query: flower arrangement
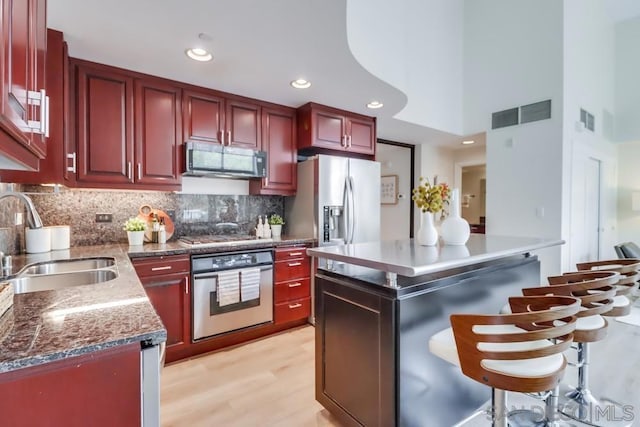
431	197
135	224
276	219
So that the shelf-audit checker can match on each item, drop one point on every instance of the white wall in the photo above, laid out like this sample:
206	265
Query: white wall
416	46
394	219
431	161
628	182
627	89
513	56
589	46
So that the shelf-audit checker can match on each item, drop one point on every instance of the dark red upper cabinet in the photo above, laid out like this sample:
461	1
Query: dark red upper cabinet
279	140
158	131
327	129
23	116
203	117
243	125
104	126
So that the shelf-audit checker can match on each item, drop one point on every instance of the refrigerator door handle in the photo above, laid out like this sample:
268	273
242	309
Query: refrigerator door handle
352	209
346	212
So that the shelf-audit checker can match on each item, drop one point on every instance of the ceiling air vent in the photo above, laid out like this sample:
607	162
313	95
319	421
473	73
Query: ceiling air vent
504	118
534	112
588	119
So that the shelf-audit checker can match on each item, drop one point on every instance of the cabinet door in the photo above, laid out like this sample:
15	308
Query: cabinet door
158	131
203	117
329	130
279	141
16	34
362	135
243	125
169	295
104	126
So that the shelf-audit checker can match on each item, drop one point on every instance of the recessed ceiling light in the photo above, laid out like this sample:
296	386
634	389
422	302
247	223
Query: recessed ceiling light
374	105
199	54
468	142
301	83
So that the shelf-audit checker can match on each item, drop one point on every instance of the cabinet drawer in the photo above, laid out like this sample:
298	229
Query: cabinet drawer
292	310
158	266
291	270
296	289
283	254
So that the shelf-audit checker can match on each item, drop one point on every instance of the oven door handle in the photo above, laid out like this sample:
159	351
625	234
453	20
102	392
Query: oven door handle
205	275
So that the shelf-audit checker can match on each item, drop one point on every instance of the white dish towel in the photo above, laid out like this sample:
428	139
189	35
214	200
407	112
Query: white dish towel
228	288
250	284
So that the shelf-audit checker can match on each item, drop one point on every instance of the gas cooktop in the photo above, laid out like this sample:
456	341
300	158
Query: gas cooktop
220	240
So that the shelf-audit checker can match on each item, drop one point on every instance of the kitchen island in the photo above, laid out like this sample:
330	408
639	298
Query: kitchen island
376	306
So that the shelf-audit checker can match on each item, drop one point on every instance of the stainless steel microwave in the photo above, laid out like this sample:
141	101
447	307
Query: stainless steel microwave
205	159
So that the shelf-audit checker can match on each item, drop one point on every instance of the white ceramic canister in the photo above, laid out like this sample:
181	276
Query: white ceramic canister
60	237
37	240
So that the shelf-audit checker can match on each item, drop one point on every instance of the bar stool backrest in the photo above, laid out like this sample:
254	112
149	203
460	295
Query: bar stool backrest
538	327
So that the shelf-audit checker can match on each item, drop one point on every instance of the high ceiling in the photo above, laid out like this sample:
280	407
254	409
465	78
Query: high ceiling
258	47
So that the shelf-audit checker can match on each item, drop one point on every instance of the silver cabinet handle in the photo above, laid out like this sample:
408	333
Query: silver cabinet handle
295	285
343	141
73	158
348	141
297	305
129	170
165	267
294	264
221	137
186	288
45	115
42	100
295	253
229	138
139	171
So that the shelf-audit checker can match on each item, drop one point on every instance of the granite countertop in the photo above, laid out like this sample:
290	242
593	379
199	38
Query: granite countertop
407	258
175	248
46	326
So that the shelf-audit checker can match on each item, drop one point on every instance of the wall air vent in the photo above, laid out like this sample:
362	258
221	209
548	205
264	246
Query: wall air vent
504	118
534	112
588	120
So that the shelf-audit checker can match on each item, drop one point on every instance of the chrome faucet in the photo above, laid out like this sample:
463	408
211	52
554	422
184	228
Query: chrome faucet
33	217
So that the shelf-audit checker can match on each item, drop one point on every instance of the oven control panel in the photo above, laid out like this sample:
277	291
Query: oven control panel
211	262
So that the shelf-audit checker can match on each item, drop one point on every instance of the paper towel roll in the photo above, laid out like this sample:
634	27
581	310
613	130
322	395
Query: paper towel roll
60	237
37	240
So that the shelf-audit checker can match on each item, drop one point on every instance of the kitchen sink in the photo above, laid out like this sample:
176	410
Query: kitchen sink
47	282
68	265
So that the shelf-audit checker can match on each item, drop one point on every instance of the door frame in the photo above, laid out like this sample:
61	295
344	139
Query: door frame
412	149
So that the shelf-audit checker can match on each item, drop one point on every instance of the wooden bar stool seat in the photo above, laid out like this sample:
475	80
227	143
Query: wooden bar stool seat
519	352
627	284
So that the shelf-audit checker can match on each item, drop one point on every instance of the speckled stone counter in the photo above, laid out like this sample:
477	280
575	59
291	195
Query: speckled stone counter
45	326
175	248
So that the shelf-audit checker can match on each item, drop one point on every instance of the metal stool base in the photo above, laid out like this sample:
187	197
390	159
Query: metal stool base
581	405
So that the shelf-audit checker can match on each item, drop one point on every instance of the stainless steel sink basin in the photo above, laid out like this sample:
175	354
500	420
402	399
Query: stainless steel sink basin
23	284
69	265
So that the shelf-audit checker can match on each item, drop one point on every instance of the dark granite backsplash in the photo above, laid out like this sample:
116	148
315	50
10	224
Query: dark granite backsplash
192	214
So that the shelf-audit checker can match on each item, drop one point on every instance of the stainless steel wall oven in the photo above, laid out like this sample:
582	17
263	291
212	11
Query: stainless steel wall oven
231	291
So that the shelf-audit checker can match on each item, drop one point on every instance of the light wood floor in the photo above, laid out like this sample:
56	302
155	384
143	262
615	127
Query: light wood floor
269	382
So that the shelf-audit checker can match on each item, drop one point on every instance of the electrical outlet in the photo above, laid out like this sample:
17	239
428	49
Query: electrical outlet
18	219
104	217
172	214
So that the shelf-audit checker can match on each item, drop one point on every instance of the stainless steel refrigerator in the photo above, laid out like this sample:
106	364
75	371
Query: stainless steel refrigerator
337	201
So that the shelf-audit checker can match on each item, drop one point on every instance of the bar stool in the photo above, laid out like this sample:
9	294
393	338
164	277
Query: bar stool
628	283
519	352
596	290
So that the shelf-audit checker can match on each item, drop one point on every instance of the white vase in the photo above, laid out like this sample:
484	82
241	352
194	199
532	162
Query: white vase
427	234
136	238
276	230
455	229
